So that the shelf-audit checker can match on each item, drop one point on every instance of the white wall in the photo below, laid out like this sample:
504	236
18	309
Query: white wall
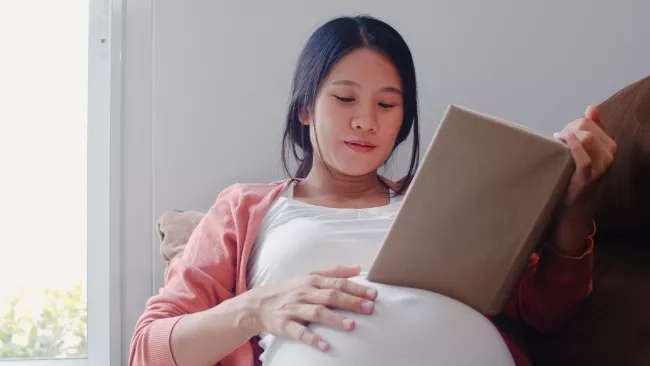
206	84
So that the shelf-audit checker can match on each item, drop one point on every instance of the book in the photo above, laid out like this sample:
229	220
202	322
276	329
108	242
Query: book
475	211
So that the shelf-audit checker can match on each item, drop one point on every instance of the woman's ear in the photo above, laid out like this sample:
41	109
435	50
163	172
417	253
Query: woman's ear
305	116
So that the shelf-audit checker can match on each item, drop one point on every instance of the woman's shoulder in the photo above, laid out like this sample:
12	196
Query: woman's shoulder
237	202
250	193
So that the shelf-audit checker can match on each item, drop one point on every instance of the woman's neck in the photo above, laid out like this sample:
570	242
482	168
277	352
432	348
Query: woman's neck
320	181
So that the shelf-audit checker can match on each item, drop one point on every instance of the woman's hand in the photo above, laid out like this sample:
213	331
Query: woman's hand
285	309
593	152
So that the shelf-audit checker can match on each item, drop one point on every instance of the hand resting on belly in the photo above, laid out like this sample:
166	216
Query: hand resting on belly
408	327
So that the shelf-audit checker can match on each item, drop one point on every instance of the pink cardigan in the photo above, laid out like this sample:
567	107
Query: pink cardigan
213	269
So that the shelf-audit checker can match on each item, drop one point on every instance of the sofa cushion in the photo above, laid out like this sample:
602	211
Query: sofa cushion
623	207
175	229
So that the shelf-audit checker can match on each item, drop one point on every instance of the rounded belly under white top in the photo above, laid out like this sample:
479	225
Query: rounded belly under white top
409	327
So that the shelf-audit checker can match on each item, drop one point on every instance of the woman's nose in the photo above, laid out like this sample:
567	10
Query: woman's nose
365	121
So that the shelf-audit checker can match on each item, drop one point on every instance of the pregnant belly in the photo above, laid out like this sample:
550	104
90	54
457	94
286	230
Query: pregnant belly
408	327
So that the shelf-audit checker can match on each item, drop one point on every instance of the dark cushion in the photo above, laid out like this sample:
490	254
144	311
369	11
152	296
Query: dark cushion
623	208
613	327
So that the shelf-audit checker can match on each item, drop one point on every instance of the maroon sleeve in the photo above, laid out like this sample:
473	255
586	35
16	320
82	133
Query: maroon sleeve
552	289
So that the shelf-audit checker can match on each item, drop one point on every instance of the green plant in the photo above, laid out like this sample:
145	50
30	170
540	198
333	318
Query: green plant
59	329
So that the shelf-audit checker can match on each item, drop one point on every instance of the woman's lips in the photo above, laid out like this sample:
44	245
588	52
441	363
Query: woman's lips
360	146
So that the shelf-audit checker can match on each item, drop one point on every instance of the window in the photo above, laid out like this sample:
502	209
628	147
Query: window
59	298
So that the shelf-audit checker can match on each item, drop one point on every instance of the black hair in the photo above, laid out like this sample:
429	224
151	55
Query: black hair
326	46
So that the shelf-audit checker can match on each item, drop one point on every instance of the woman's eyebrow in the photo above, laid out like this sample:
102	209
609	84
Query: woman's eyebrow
391	89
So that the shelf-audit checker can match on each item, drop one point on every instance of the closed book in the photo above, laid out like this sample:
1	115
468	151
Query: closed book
475	211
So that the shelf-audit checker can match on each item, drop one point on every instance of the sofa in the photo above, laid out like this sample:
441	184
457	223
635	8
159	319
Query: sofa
613	327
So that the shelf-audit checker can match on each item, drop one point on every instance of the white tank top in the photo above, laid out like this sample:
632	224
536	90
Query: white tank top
296	238
408	327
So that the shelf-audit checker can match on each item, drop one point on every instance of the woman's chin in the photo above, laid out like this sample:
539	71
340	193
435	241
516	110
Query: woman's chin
408	327
359	170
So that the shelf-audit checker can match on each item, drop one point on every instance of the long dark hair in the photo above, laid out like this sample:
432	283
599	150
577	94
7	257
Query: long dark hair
326	46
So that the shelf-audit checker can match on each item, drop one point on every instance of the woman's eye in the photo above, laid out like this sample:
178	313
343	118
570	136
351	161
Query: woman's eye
344	100
386	105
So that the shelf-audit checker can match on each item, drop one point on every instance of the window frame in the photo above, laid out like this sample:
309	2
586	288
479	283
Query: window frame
103	190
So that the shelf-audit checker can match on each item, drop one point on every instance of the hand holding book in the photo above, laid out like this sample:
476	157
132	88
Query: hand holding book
593	152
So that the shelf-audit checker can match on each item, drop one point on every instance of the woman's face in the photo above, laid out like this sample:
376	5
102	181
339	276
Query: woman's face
357	114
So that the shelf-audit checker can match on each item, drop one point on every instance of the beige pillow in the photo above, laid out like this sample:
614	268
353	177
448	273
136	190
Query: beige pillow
175	228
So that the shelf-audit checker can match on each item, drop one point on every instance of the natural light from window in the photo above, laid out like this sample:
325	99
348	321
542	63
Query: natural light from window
43	112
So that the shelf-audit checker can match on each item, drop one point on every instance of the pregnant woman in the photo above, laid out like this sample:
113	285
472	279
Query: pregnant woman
273	274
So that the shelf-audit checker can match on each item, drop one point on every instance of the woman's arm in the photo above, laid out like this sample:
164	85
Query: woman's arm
208	336
183	318
553	287
172	332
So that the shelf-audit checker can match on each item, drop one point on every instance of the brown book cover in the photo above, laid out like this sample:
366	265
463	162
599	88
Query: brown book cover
475	211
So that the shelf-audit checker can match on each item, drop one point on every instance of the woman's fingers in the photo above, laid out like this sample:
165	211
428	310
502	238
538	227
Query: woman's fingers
594	127
592	113
343	285
317	313
560	136
593	146
302	314
334	298
584	163
340	271
313	300
601	156
288	309
301	333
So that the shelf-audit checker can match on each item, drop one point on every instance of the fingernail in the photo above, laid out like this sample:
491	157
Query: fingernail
367	306
556	135
348	323
323	345
371	292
